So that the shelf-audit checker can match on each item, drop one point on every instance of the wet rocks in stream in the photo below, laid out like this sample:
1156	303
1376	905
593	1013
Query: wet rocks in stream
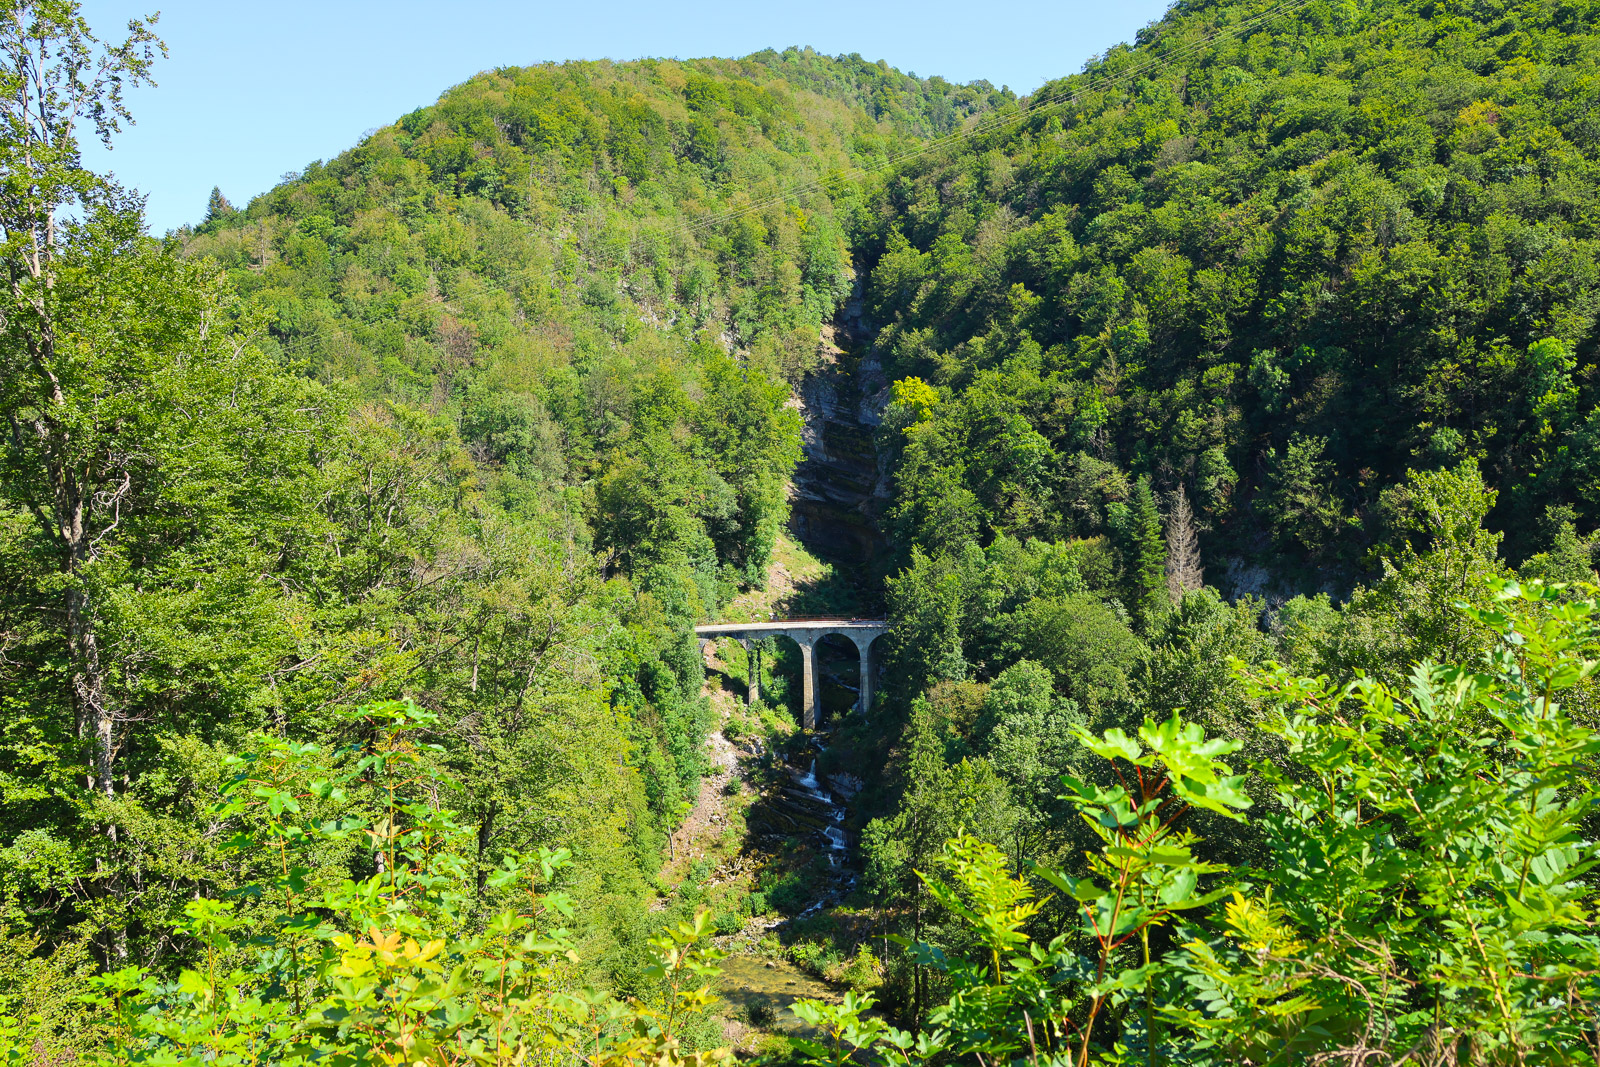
802	807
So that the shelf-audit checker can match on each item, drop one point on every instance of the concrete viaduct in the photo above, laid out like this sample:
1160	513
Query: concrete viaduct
806	633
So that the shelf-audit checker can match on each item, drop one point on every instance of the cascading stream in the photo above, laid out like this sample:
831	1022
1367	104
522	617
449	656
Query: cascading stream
831	837
838	488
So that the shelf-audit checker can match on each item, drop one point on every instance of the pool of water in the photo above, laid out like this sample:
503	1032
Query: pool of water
759	982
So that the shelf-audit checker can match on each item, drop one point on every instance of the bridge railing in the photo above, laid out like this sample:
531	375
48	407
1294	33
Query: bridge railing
803	620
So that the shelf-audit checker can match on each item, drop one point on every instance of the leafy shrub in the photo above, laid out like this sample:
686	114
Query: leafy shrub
309	965
778	720
776	1049
788	894
861	972
815	957
806	954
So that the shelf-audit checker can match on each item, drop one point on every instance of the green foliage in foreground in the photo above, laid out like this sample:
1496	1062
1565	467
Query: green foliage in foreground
404	965
1425	894
1426	898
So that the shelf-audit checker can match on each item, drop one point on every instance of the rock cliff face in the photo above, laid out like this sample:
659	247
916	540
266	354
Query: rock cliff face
840	486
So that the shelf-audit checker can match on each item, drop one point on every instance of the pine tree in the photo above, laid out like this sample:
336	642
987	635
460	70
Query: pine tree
1145	555
218	207
1184	572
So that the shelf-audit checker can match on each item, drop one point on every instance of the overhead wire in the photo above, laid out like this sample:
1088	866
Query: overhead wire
994	123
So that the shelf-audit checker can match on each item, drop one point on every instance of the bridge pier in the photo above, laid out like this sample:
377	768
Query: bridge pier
752	652
806	633
868	676
810	685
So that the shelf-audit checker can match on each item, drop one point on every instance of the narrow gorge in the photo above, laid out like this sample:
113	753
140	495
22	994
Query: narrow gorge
802	819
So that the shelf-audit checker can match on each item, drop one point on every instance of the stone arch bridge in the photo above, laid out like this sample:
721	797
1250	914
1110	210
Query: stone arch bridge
806	633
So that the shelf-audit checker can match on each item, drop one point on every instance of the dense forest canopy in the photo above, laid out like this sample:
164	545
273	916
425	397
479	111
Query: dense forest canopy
1279	271
351	542
1278	268
472	414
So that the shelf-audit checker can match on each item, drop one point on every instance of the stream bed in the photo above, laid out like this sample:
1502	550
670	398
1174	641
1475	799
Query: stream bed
834	841
761	990
838	490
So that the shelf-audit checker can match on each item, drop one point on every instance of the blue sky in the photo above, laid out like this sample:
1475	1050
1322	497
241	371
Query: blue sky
253	90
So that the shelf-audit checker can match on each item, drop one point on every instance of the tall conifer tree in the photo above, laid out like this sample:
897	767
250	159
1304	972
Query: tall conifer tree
1146	555
217	206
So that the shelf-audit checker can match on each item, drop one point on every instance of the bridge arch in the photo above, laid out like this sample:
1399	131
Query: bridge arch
806	633
840	670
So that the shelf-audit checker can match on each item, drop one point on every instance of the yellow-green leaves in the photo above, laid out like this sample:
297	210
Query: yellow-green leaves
1258	925
915	398
985	895
399	967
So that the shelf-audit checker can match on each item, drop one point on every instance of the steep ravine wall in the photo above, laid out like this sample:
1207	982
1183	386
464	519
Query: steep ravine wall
840	487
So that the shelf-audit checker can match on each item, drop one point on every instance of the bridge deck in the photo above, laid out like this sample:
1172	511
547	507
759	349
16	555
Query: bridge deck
793	624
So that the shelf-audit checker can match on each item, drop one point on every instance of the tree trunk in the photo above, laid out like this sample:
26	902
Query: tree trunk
69	520
95	720
96	724
93	707
485	835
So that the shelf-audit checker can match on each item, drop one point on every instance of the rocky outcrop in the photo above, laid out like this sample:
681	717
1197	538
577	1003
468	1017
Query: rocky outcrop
840	486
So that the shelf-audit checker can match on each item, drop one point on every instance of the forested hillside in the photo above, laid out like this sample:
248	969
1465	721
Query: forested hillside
1299	306
477	414
351	542
1276	271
